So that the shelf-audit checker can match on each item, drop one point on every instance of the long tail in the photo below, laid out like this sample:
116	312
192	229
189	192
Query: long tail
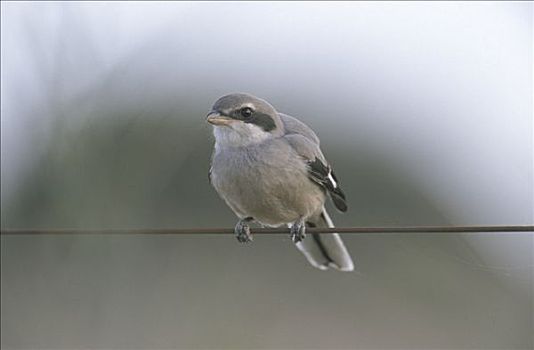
325	250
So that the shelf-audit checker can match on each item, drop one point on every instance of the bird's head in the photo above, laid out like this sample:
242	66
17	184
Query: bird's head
241	120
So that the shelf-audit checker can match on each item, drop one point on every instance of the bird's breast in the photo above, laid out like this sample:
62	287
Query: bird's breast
269	183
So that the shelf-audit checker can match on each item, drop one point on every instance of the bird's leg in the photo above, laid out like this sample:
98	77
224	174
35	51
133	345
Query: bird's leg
298	230
242	230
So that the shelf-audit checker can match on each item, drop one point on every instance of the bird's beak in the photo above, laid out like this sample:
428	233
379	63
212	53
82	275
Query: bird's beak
216	118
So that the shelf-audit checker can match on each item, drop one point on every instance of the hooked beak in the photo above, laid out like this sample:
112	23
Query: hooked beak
216	118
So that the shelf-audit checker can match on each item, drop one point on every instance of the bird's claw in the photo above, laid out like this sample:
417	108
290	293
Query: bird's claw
298	232
242	232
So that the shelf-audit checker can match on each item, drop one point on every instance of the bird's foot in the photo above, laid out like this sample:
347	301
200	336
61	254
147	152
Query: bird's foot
298	231
242	231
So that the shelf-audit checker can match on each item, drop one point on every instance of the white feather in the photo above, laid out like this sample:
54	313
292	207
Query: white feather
239	134
331	178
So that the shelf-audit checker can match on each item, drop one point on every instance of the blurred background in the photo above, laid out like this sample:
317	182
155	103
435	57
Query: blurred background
424	109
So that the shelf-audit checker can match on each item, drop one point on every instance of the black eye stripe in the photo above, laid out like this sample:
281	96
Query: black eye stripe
264	121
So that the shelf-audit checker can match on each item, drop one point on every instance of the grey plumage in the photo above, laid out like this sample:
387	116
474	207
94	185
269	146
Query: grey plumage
268	167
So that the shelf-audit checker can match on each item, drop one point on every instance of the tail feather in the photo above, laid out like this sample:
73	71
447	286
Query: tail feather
325	250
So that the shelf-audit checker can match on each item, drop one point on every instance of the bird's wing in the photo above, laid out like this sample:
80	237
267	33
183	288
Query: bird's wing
306	144
294	126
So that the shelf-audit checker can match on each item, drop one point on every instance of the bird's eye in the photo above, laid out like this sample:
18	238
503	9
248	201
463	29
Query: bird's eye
246	112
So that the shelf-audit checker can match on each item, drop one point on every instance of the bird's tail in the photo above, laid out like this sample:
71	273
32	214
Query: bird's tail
326	249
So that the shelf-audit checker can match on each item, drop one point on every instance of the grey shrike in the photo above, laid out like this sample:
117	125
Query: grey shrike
268	168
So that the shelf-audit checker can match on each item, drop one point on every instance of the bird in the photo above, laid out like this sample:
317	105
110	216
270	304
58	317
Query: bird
269	169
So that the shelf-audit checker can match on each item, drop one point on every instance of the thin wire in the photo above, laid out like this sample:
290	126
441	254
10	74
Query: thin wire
217	230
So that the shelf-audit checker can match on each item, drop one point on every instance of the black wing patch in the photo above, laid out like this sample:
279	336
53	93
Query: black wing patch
324	176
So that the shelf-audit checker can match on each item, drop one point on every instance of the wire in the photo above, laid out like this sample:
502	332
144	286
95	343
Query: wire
216	230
